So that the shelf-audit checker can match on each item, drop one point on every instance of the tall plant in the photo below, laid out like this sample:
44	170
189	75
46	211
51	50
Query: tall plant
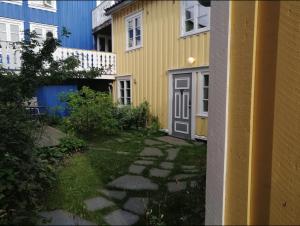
23	174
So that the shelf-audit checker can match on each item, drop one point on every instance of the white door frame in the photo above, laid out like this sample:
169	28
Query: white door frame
194	71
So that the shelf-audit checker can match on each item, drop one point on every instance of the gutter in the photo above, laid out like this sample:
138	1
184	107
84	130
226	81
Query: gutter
117	7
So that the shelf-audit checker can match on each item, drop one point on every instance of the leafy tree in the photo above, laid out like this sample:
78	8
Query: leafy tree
24	175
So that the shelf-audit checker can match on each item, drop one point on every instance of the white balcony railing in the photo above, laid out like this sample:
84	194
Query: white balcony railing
10	58
98	13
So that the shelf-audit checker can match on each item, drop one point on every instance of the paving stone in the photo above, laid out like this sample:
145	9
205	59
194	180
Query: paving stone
136	169
149	151
152	142
155	172
167	165
131	182
172	153
185	167
184	176
144	162
137	205
114	194
61	217
176	186
121	217
97	203
173	140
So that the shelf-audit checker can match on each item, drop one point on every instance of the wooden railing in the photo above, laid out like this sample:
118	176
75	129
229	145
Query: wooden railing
10	57
98	13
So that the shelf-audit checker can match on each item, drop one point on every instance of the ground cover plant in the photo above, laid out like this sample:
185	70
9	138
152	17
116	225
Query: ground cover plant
108	158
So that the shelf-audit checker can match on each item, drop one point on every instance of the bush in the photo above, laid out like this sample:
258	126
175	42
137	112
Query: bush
72	144
91	112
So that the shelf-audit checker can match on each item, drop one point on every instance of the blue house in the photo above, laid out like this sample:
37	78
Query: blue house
44	16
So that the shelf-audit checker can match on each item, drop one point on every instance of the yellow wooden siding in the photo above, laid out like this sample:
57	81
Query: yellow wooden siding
263	158
163	49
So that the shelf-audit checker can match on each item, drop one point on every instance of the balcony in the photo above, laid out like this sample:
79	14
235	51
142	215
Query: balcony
10	58
98	14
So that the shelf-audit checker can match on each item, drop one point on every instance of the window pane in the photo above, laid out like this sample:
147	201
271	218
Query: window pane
205	93
138	22
128	84
128	93
138	40
130	25
206	80
130	33
138	31
203	16
189	13
122	84
122	100
205	105
2	27
128	101
189	25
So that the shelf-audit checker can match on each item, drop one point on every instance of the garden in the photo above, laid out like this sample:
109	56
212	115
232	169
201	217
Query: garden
112	167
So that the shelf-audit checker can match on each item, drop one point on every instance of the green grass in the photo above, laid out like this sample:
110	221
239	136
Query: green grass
84	174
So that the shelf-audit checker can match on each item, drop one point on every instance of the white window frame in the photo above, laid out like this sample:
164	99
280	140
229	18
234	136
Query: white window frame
201	87
15	2
127	19
9	22
44	28
124	79
42	5
195	18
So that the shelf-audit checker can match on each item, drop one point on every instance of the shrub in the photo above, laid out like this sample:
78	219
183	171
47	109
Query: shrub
72	144
91	111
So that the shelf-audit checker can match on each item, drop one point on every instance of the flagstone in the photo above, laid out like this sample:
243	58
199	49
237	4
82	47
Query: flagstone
173	140
97	203
155	172
144	162
172	153
176	186
121	217
136	169
114	194
137	205
167	165
150	151
132	182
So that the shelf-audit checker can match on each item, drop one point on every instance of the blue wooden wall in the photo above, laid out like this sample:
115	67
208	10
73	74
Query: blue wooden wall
75	15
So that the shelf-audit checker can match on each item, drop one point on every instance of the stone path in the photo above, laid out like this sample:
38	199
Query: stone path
154	163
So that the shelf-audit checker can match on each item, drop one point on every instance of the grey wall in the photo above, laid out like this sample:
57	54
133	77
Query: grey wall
217	112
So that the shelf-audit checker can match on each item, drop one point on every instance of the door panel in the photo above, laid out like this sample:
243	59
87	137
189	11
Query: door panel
181	116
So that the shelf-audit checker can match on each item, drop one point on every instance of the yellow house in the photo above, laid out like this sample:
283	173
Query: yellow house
162	50
253	165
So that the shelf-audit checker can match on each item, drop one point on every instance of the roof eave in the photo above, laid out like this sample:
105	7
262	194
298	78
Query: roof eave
117	7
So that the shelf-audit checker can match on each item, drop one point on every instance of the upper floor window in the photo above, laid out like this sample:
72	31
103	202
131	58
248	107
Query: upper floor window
43	30
11	30
134	31
195	17
49	5
16	2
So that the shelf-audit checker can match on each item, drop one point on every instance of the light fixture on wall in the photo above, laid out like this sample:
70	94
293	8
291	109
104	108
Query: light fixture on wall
191	60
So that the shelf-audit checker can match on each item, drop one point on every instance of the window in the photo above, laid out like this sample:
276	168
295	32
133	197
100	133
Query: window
195	17
204	87
124	91
11	30
134	31
43	31
49	5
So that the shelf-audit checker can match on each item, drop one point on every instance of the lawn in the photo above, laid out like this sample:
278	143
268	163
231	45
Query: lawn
83	175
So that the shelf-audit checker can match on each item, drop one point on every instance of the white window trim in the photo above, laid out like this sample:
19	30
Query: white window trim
42	6
124	78
127	18
44	28
182	23
15	2
8	22
200	89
